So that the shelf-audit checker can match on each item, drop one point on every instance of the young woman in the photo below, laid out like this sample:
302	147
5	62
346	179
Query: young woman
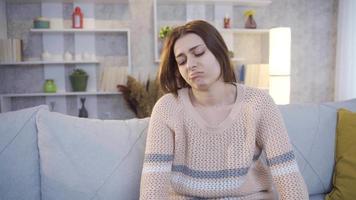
210	137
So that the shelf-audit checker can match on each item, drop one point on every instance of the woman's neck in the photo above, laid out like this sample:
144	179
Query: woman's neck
219	94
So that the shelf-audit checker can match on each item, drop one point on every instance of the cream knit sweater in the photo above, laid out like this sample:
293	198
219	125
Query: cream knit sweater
243	157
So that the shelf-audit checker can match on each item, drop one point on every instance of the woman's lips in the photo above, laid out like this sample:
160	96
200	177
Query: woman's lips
195	75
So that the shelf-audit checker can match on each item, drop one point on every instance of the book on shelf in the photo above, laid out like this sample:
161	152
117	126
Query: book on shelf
111	77
10	50
257	75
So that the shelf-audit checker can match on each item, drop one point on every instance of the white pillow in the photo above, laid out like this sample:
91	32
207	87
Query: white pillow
19	163
90	158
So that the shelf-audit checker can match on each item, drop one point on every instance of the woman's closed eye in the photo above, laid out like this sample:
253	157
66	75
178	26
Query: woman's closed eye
181	60
199	53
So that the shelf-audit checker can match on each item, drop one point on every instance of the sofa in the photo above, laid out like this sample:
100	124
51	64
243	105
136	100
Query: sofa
48	155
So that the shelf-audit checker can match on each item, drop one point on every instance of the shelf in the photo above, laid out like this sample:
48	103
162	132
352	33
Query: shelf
67	1
49	62
59	94
237	59
242	31
38	30
232	59
234	2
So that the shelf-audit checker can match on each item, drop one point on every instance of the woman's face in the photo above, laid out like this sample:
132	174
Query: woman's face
196	63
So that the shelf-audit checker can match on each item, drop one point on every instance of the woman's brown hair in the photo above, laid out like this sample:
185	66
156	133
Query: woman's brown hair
169	77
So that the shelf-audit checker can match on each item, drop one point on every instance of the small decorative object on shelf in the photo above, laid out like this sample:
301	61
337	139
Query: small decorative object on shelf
88	56
52	104
49	86
78	56
46	56
242	74
83	111
231	54
68	56
164	31
250	22
79	79
77	18
227	23
41	22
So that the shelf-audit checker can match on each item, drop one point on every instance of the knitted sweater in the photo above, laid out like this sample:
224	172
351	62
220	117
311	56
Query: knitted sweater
244	157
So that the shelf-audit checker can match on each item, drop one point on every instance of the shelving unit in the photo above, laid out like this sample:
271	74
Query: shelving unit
84	41
249	46
6	98
58	94
244	31
50	62
233	2
196	9
123	30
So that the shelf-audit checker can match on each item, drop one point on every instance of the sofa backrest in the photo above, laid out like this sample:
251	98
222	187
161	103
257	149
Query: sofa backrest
19	163
311	128
89	158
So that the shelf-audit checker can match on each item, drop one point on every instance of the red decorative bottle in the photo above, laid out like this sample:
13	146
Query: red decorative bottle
77	18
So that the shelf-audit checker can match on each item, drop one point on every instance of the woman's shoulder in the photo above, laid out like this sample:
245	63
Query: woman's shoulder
252	93
166	99
169	102
256	97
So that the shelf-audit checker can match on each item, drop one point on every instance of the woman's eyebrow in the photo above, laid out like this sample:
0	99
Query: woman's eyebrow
191	49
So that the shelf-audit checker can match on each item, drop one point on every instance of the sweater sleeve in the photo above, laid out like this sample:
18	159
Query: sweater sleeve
155	182
273	138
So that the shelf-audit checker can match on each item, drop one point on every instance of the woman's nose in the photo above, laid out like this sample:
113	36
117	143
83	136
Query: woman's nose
191	63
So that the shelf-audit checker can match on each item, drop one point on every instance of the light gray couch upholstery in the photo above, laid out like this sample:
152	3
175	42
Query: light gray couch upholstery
46	155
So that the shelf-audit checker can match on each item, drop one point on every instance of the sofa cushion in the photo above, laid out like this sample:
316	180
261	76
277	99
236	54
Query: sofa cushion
90	158
311	128
19	163
349	105
317	197
344	178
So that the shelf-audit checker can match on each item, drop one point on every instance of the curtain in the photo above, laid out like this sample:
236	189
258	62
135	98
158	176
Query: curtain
345	70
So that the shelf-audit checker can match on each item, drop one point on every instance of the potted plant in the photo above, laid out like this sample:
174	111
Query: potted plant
164	31
79	79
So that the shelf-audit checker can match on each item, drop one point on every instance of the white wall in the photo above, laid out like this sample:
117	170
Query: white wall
3	25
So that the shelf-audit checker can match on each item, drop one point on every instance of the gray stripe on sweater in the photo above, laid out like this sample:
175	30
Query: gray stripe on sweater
226	173
158	158
281	159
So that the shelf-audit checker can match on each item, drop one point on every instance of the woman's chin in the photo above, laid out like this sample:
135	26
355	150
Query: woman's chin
200	85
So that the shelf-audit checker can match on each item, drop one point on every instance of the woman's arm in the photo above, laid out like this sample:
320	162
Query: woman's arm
155	182
273	138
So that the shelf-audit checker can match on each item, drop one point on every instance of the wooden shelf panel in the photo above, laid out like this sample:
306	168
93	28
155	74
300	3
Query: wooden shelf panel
244	31
234	2
234	59
49	62
121	30
58	94
67	1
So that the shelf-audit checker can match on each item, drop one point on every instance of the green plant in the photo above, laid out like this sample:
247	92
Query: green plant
231	54
165	31
79	72
248	13
79	79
